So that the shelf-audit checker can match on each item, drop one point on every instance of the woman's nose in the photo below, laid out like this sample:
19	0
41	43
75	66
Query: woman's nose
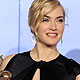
53	25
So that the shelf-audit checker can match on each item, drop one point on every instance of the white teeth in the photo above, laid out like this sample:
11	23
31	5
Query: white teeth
52	34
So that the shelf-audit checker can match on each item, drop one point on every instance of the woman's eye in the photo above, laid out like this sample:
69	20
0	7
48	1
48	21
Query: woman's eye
60	20
45	20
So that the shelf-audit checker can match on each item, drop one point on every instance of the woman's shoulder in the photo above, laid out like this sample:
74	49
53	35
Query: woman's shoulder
14	57
6	61
71	61
75	66
72	64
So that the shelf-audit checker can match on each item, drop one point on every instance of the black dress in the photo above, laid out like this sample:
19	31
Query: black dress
23	67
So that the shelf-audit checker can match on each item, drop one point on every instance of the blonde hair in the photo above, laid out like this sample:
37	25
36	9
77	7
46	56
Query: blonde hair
39	8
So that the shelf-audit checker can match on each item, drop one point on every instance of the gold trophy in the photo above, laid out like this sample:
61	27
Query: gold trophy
5	75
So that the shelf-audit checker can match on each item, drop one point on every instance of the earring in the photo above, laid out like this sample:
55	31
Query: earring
33	41
35	33
61	41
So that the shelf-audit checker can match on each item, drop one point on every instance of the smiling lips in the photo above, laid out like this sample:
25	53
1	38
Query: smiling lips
52	34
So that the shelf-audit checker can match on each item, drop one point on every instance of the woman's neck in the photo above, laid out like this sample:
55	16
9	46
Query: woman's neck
43	52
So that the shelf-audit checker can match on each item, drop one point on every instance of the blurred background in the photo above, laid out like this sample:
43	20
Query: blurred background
15	35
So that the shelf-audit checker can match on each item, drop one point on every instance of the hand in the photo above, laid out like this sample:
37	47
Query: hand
78	77
2	78
5	75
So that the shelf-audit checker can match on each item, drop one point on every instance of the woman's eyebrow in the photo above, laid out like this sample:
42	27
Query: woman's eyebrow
59	17
46	16
56	17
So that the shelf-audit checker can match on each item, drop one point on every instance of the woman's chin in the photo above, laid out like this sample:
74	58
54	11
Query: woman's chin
50	44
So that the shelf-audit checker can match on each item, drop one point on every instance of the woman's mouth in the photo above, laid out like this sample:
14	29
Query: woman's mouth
52	34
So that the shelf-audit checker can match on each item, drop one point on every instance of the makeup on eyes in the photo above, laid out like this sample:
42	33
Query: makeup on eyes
58	19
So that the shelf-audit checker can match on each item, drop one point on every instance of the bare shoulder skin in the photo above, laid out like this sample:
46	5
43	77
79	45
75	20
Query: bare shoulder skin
5	62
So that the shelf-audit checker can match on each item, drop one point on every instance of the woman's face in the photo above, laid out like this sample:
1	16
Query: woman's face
51	28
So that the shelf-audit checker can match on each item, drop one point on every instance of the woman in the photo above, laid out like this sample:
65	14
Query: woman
44	62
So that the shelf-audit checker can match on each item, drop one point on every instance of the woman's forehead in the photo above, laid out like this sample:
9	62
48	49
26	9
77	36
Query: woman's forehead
56	12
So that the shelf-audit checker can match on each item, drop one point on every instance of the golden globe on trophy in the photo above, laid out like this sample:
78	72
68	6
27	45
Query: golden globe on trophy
5	75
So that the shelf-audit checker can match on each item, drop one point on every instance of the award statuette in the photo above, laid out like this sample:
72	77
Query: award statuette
5	75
